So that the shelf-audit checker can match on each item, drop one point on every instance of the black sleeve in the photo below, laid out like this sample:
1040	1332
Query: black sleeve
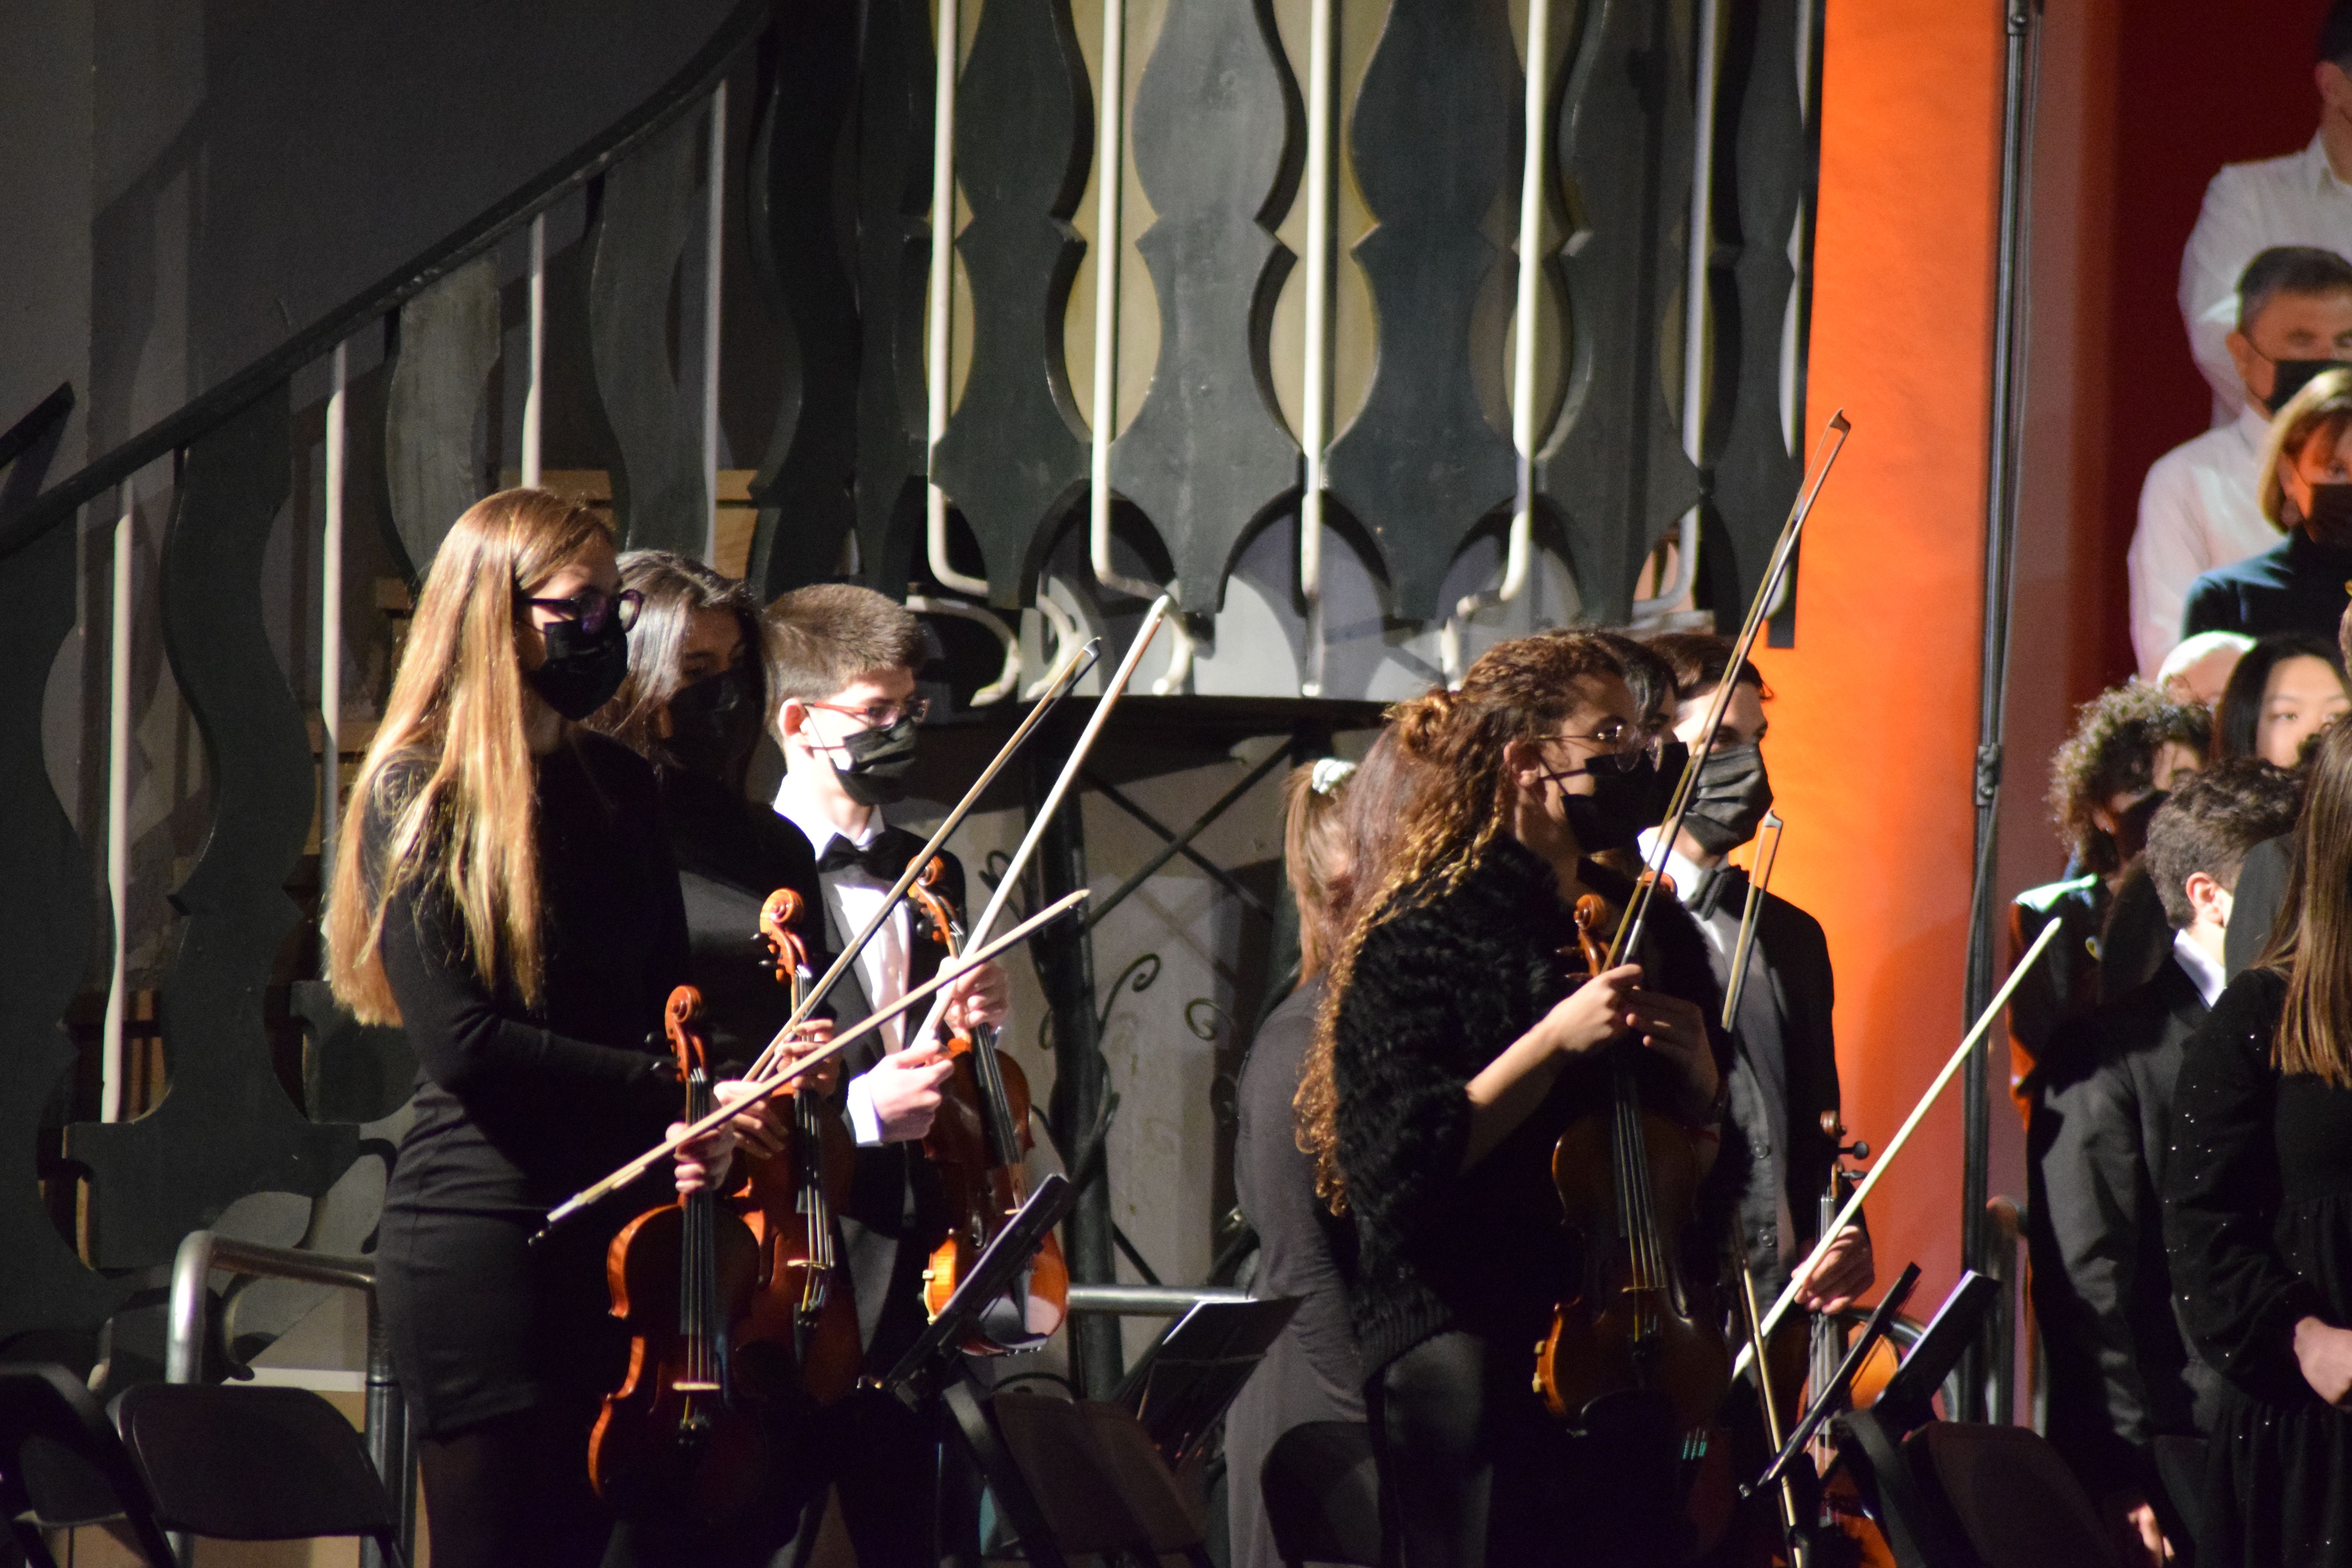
1403	1070
2090	1204
2210	608
2239	1297
2255	903
466	1042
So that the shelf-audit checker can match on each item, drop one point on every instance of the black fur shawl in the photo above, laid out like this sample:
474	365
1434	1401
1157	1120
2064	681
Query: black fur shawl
1438	992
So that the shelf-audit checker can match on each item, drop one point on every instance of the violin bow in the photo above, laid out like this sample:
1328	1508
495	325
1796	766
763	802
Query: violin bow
1637	908
1078	758
1767	850
1885	1160
769	1087
1064	674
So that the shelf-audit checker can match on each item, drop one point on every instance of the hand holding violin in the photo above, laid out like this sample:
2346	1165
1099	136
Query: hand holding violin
1592	1014
980	997
761	1129
1846	1270
1676	1030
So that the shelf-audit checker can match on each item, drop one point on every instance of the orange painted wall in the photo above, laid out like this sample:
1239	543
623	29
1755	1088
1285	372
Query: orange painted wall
1874	724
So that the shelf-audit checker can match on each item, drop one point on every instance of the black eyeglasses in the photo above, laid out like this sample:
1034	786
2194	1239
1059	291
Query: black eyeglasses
882	715
590	607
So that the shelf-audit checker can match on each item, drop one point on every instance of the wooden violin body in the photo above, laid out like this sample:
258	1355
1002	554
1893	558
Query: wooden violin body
1631	1320
801	1327
978	1142
674	1440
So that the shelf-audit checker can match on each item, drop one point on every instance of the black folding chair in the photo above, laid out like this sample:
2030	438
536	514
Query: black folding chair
254	1463
1322	1492
61	1465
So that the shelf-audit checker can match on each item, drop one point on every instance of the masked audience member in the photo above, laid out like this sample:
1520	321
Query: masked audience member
2119	1373
2300	583
2200	507
2303	198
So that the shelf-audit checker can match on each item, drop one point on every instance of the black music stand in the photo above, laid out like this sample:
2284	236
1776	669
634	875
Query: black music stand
933	1367
1181	1385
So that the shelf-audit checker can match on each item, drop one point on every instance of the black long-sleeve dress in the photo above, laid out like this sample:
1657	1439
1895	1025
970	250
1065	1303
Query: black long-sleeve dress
2258	1221
519	1107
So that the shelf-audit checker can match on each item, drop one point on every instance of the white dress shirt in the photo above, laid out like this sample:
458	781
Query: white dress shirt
2198	511
2202	966
2249	208
852	894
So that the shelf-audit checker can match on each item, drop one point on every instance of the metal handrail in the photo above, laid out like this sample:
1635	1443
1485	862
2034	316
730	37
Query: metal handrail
1147	1301
386	1422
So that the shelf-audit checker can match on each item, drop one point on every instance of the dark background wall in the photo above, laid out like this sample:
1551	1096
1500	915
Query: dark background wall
183	182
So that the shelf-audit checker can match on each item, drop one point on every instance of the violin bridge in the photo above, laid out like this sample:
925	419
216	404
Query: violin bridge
684	1387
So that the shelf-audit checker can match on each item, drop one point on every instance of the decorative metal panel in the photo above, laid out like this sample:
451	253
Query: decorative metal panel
448	341
1219	134
225	1127
1435	135
894	260
1756	476
1614	466
802	489
661	497
48	923
1015	455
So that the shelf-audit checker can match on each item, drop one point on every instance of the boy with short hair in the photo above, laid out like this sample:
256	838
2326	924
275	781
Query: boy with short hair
2120	1373
843	661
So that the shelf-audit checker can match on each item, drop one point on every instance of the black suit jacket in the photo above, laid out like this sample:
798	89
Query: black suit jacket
1790	971
2255	903
2120	1371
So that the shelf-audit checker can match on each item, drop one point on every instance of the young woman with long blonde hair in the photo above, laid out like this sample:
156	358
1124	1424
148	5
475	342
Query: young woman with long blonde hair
506	898
1451	1053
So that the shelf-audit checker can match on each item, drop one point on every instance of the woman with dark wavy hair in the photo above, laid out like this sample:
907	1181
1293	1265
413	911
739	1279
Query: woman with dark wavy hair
1452	1052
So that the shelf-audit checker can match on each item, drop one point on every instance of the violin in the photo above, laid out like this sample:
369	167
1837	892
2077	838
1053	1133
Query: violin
1631	1321
1843	1536
672	1439
802	1298
978	1142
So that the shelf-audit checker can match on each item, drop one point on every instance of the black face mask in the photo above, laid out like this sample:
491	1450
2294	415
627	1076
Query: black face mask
584	668
714	723
2131	827
1620	806
2289	376
2331	511
879	761
1732	795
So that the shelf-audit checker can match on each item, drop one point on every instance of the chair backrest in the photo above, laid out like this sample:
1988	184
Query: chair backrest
252	1464
60	1463
1322	1492
1074	1483
2012	1497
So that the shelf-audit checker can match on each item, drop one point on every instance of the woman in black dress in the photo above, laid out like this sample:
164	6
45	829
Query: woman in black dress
2258	1212
509	900
1452	1053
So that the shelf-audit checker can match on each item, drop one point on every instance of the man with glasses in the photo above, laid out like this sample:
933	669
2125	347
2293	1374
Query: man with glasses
842	665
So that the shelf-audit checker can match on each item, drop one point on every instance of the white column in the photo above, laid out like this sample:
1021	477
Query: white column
118	807
1314	416
711	273
936	361
538	335
331	627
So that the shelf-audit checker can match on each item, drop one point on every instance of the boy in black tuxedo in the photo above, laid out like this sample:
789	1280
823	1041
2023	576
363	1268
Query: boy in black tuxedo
2120	1375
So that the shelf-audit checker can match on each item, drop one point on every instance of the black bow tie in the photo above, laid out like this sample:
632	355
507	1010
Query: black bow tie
883	859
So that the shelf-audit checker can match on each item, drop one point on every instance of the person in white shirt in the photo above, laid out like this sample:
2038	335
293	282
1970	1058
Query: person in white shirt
842	661
2200	507
2303	198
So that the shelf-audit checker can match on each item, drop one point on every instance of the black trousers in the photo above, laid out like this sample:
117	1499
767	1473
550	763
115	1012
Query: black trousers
1475	1471
514	1489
